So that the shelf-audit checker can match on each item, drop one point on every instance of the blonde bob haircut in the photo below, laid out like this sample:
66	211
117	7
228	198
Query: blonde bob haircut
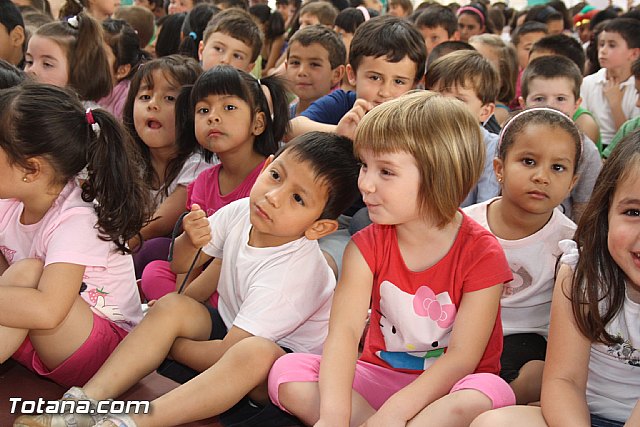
443	137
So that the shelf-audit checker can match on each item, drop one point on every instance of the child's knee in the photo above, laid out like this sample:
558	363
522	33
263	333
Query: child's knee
172	305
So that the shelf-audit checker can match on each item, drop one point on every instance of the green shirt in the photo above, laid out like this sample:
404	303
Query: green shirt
628	127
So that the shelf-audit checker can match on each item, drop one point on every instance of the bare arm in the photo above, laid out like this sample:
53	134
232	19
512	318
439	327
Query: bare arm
274	54
301	125
348	316
203	286
197	233
564	379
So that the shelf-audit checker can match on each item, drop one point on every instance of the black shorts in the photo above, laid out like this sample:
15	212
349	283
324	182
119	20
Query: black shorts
519	349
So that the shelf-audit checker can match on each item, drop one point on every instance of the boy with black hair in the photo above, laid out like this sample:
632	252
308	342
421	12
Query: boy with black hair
554	81
232	37
610	94
315	64
274	284
12	34
437	24
523	38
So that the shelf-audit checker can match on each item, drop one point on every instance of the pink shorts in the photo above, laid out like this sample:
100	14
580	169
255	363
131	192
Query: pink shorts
78	368
376	383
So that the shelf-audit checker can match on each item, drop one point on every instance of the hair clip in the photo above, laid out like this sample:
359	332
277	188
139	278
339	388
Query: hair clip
73	22
95	127
193	35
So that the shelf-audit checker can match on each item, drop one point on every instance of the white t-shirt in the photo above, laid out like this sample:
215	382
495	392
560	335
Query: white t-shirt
588	170
613	383
67	234
189	172
280	293
526	300
593	99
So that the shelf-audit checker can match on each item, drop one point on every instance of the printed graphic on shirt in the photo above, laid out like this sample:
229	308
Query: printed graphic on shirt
7	253
625	352
98	300
521	281
416	328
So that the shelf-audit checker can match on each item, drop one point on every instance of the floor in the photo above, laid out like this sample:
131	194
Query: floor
16	381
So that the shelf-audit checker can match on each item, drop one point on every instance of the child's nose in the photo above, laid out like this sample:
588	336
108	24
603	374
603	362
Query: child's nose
273	197
541	175
365	183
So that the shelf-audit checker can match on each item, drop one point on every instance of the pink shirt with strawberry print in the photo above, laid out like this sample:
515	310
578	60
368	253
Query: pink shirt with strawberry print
67	234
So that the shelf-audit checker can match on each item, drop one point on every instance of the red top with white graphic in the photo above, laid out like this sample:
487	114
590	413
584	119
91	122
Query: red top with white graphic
412	313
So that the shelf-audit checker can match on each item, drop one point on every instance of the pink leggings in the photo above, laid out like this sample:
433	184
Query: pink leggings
377	383
158	280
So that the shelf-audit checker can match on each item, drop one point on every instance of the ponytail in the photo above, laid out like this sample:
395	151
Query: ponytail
193	28
89	71
114	166
277	117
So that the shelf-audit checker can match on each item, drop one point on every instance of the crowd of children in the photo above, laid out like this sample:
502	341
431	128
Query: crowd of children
333	213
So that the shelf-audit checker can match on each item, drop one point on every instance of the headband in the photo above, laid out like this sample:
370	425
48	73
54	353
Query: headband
472	10
365	12
531	110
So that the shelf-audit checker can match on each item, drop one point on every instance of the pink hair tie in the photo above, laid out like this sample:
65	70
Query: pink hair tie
95	127
473	10
365	12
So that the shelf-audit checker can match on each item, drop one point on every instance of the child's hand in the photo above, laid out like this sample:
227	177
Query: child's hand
196	225
613	92
349	122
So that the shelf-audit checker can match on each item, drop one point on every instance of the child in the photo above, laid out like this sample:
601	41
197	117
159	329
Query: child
504	58
71	53
12	34
432	275
632	124
244	119
554	81
315	65
232	37
472	20
195	24
536	166
386	60
272	26
610	94
317	13
400	8
523	39
124	56
275	289
170	164
592	368
60	239
466	75
98	10
346	24
437	24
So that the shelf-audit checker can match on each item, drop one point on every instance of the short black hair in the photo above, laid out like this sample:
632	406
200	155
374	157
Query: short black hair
10	15
527	28
563	45
438	16
333	162
349	19
447	47
628	28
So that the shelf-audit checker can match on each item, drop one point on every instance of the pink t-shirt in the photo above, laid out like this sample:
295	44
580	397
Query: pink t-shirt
412	313
205	190
67	234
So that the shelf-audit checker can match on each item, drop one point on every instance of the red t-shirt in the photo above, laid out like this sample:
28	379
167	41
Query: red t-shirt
412	313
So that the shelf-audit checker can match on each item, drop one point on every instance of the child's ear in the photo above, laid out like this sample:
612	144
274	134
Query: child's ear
498	169
321	228
123	71
337	75
521	102
351	75
259	124
17	36
200	49
34	170
486	111
455	36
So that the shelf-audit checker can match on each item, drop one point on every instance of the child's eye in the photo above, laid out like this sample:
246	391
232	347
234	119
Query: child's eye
538	99
399	82
561	99
202	110
528	162
28	62
375	78
274	174
144	97
559	168
170	98
315	64
294	63
239	57
386	172
298	199
47	65
632	212
230	107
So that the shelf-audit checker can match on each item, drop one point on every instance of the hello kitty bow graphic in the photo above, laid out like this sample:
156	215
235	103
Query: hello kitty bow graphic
415	327
426	304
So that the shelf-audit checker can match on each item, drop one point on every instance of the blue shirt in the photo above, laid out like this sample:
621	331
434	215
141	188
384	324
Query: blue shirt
331	108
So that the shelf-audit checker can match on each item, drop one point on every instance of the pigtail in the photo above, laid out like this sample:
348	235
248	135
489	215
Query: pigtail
122	202
71	8
185	122
277	119
89	72
193	28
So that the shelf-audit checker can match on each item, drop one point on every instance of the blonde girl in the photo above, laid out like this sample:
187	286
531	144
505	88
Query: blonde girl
536	164
592	371
433	278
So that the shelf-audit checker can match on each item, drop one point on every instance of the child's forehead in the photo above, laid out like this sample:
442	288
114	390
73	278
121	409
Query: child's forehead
225	36
613	36
551	84
312	50
405	66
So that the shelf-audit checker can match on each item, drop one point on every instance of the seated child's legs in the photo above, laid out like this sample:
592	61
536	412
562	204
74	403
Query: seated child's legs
147	345
157	280
522	416
75	369
293	384
151	250
468	398
521	362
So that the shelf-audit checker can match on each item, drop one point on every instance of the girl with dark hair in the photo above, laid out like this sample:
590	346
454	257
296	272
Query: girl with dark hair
228	113
193	29
67	291
273	27
473	20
